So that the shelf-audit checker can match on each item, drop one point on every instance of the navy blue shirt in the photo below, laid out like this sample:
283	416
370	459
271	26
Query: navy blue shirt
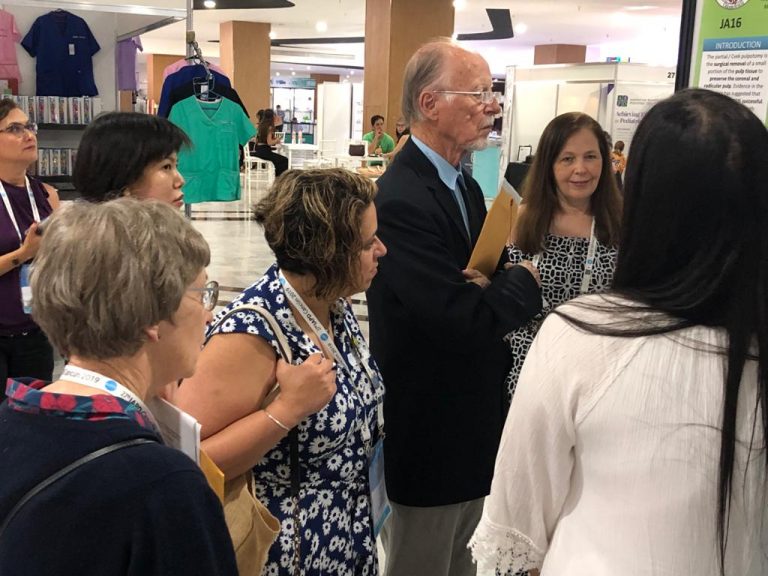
183	76
63	45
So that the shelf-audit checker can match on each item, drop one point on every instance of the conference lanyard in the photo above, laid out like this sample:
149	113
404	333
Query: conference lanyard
98	381
322	334
11	215
589	263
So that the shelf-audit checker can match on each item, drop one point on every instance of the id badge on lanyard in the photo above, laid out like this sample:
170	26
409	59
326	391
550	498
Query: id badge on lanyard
26	290
380	507
589	265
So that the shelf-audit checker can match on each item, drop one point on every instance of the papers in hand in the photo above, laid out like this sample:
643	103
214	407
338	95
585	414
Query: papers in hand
179	429
493	237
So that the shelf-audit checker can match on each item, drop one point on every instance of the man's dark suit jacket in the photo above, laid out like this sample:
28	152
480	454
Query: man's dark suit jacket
438	338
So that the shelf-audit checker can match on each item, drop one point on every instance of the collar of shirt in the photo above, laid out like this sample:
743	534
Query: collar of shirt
25	395
445	171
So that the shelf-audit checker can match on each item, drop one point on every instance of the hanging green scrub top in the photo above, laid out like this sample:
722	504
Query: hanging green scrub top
211	167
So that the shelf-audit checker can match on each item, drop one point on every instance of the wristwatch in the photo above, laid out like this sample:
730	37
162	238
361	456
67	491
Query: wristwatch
15	262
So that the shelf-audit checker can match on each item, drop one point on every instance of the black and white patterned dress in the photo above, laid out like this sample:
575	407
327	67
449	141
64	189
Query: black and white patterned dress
561	268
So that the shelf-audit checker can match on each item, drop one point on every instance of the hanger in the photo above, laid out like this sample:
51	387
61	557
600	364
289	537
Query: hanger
204	89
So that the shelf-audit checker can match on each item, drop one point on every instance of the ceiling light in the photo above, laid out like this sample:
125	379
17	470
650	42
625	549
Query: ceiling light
644	7
309	67
459	4
272	34
293	73
521	28
321	26
209	4
351	72
277	73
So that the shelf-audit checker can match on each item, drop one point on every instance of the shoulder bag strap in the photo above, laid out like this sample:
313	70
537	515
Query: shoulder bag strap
56	476
293	435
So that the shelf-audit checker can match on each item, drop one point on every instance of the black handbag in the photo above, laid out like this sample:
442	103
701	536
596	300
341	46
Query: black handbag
357	149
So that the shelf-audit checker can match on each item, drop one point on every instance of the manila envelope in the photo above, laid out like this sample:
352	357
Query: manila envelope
493	237
212	473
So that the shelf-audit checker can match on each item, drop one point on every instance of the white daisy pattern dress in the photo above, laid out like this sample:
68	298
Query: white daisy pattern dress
334	499
561	268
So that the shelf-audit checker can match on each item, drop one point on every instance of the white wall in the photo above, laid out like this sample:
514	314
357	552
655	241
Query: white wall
103	25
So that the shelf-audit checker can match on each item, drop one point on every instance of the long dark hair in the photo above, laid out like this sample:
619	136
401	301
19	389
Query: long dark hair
694	245
540	188
117	147
266	126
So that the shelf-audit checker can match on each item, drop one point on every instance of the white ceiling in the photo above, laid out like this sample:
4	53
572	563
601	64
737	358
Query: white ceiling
644	32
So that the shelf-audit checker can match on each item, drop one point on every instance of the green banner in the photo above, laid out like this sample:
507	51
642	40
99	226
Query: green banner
732	51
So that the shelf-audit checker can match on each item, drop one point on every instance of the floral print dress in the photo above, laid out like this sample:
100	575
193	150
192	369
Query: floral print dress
334	498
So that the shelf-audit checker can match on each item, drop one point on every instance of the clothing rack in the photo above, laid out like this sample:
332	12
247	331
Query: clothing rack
198	54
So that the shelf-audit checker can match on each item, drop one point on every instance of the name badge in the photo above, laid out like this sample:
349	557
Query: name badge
71	49
380	508
26	289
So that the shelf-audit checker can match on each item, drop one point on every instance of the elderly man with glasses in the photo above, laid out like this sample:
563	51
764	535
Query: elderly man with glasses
436	327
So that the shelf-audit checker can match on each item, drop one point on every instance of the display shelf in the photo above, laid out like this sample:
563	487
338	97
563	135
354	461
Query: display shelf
53	179
49	126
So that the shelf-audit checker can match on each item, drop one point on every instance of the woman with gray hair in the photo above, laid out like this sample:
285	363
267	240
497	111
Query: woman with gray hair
89	487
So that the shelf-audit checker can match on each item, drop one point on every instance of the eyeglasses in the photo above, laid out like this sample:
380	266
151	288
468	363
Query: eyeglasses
18	129
483	97
209	294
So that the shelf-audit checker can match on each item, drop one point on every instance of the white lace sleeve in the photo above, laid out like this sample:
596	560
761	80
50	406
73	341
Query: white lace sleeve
503	550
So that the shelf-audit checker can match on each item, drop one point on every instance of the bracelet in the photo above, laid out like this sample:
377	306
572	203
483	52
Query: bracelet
276	421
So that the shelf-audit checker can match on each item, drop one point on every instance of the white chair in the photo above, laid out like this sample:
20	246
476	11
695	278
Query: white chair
258	172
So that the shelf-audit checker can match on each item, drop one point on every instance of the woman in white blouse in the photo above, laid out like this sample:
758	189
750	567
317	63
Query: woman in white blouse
636	441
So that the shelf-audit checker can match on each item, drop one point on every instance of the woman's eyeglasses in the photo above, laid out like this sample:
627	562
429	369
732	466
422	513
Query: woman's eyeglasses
209	294
18	129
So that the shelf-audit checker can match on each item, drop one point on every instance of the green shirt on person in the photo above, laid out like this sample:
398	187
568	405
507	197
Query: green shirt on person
386	143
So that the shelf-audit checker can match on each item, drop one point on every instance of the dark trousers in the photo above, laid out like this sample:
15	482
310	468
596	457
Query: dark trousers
265	152
29	355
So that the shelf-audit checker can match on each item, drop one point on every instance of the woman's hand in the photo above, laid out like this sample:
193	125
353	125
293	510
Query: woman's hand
304	389
528	265
31	243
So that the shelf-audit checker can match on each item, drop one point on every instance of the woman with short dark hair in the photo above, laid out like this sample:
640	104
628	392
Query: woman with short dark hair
24	349
321	226
636	442
130	154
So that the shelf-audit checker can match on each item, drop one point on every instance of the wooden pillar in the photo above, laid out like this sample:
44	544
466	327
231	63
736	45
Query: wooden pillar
559	54
245	56
156	63
394	30
125	100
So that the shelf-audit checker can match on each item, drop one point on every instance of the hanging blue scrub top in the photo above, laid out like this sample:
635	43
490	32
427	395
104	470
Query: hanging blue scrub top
63	45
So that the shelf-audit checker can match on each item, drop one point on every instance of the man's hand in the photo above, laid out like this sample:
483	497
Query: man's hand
528	265
476	277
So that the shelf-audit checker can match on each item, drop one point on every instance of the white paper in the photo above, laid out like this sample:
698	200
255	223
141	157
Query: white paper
179	429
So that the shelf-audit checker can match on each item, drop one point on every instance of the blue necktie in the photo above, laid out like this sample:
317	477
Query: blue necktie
460	201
